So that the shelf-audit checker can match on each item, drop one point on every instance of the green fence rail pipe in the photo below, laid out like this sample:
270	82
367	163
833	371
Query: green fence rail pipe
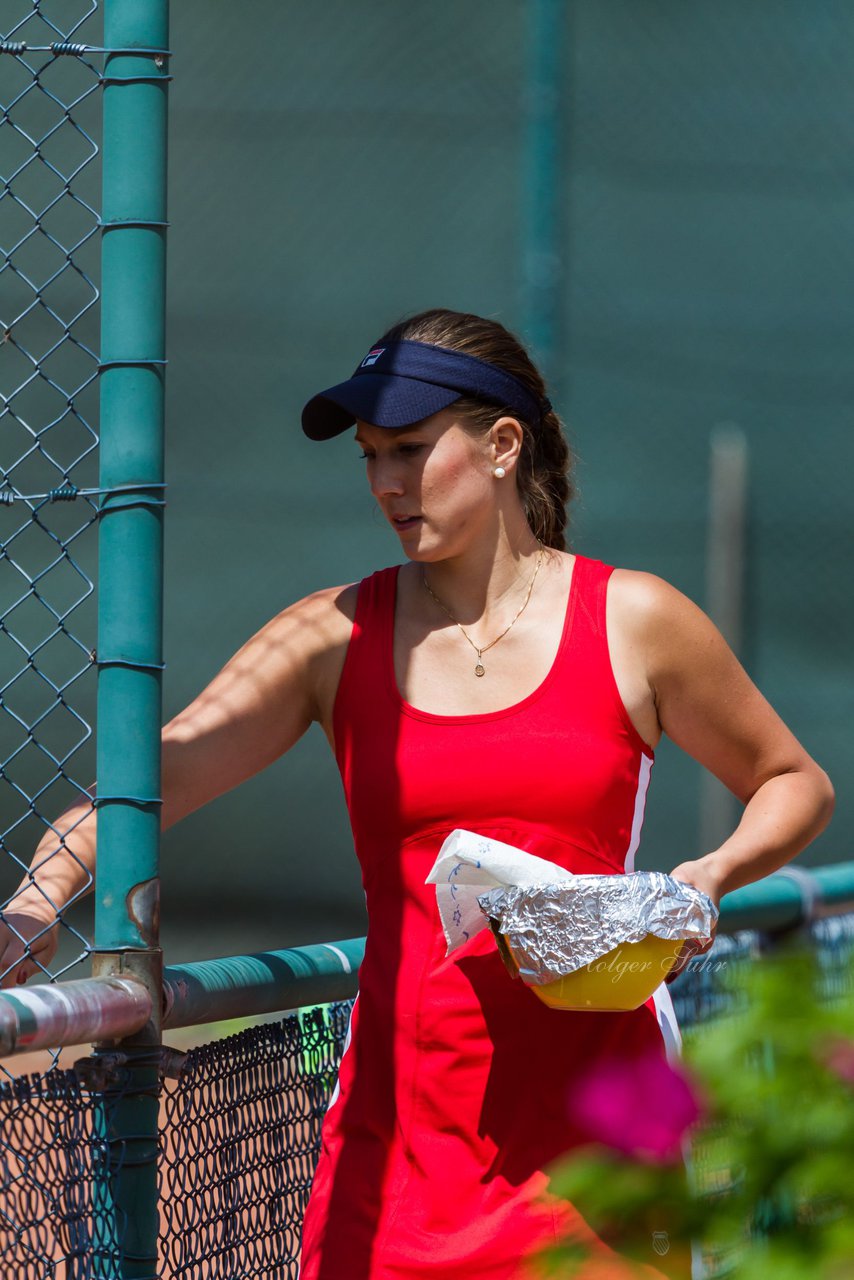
78	1012
246	986
787	898
275	981
269	982
836	888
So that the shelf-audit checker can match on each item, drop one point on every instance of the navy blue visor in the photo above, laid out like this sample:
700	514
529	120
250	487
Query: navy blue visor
404	382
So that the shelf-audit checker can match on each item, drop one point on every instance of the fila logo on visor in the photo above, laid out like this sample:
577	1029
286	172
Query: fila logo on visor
372	357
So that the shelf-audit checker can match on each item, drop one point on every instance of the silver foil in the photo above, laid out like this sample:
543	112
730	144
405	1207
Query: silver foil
554	929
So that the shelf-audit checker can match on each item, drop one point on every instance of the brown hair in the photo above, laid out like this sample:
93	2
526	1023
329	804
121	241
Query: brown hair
544	474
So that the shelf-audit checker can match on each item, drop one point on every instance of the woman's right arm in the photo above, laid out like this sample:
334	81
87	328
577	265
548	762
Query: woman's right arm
253	711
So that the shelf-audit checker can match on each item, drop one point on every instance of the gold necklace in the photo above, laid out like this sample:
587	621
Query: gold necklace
480	670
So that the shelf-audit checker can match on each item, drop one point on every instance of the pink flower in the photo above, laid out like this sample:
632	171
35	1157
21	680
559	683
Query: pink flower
641	1107
837	1054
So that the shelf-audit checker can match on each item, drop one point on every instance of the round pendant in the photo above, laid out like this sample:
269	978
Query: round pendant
479	670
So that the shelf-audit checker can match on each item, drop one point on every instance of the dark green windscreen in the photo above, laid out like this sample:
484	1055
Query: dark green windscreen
336	165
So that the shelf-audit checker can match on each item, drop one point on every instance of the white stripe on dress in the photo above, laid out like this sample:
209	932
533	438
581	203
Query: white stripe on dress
640	803
667	1024
661	996
664	1011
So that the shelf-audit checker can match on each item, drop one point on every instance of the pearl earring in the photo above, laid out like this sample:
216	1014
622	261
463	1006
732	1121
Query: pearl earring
499	473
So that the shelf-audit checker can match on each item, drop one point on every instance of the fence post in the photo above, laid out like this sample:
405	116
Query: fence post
130	610
726	566
543	185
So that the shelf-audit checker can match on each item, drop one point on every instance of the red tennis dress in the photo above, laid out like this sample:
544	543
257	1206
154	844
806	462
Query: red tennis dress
451	1099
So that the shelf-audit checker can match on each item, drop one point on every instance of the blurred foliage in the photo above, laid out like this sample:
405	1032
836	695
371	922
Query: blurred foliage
769	1188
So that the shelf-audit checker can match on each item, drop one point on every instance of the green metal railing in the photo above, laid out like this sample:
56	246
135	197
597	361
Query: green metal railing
247	986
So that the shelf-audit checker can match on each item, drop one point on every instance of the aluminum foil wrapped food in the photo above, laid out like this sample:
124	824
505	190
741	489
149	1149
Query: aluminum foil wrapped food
553	929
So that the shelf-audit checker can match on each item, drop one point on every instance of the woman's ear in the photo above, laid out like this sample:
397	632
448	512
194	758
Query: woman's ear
505	439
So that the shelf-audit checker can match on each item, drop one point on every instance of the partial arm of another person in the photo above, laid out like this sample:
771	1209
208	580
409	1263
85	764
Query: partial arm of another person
252	712
708	705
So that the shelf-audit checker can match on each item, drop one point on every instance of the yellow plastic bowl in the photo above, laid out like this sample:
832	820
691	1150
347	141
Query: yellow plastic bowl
620	980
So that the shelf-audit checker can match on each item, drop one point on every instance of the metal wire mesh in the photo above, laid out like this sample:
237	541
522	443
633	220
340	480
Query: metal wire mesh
48	428
241	1134
53	1152
700	993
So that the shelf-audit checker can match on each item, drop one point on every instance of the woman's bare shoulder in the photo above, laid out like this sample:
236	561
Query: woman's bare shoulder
312	626
284	662
659	638
643	588
646	605
325	616
318	628
260	703
290	656
705	700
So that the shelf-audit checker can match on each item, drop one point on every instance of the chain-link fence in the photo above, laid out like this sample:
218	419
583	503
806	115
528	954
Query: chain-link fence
49	233
53	1155
240	1136
240	1123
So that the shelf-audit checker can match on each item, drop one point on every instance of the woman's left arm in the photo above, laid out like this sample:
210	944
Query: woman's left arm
708	705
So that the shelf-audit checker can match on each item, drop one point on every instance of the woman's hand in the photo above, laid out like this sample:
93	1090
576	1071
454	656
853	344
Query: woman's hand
701	877
27	946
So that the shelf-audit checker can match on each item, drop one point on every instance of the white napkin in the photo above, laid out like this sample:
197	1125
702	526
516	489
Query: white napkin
468	865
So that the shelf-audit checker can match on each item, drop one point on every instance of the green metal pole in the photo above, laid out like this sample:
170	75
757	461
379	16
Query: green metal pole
130	608
542	184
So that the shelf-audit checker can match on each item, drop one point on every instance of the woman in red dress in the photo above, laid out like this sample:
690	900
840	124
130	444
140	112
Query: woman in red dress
498	683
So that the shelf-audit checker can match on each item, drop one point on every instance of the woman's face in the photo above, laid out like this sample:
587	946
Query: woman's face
432	481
